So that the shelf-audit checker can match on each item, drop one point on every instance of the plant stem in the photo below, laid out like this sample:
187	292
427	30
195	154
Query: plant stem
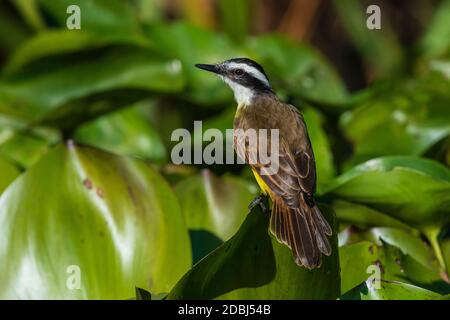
432	235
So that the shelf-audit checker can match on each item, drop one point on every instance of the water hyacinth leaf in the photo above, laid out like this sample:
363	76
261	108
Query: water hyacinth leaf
436	40
12	30
120	68
24	148
266	269
445	245
413	190
52	43
193	45
297	69
355	260
99	16
236	17
362	216
406	122
391	290
125	132
142	294
321	146
409	244
81	209
372	260
30	12
8	172
214	208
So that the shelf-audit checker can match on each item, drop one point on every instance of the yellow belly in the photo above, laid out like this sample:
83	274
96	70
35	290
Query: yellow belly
264	187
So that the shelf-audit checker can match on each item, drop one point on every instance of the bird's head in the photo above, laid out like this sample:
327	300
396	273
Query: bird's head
244	76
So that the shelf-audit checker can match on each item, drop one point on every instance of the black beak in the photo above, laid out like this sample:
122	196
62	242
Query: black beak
208	67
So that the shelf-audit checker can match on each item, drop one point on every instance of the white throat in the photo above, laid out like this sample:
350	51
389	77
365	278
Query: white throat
242	95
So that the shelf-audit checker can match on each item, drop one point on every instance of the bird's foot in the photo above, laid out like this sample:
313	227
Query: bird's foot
258	201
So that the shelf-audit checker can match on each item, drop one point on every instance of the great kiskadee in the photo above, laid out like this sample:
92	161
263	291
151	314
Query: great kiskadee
296	221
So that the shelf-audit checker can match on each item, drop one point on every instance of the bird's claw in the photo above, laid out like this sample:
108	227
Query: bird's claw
258	201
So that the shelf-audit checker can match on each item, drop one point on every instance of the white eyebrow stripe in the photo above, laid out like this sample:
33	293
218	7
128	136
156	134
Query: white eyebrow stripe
249	69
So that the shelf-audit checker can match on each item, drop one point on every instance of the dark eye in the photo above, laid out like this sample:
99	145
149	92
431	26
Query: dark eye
239	72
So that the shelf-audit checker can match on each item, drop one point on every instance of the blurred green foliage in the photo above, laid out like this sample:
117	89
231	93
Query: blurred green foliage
126	80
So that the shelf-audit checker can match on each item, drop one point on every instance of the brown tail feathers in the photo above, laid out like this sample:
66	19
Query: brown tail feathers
303	229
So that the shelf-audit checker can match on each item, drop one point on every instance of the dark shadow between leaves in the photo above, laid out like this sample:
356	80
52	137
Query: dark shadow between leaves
247	260
202	242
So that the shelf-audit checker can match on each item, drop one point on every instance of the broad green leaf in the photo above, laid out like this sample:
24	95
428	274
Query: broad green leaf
193	45
214	208
436	40
297	69
253	265
80	211
391	290
445	245
409	244
120	68
24	148
150	11
12	30
51	43
142	294
321	146
30	13
413	190
125	132
100	16
236	17
22	144
8	173
407	121
354	262
400	261
363	216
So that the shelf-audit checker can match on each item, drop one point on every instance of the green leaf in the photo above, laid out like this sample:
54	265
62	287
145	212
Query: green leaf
193	45
406	122
354	261
445	245
214	208
436	40
253	265
390	290
397	254
150	11
235	16
24	148
409	244
47	93
8	173
111	220
413	190
125	132
12	30
100	16
321	146
30	12
52	43
363	216
297	69
142	294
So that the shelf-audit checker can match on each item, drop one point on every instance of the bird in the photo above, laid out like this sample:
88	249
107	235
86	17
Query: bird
295	221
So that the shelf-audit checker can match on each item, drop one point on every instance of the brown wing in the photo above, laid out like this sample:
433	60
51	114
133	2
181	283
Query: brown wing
296	221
